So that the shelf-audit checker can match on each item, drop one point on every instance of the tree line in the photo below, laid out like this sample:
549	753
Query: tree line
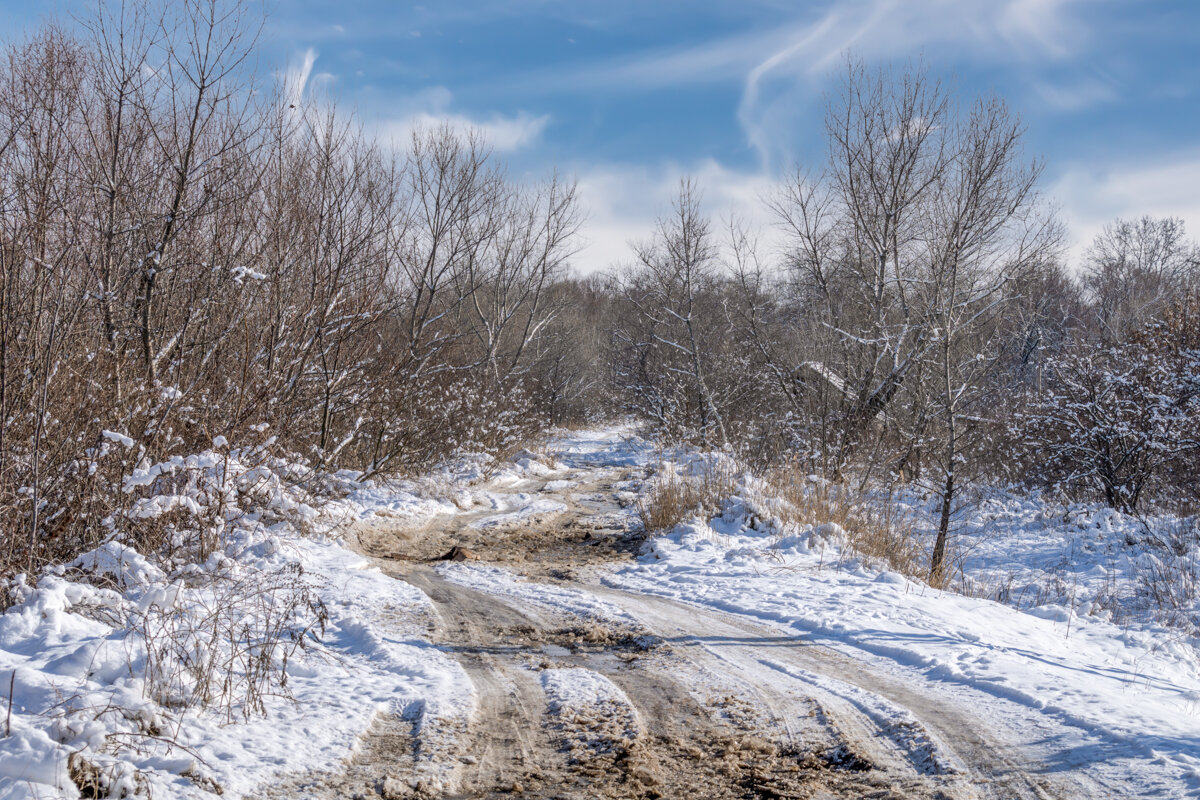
192	255
920	323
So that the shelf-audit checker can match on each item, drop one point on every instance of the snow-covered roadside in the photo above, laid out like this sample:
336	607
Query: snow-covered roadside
1136	687
1139	691
1029	551
83	708
78	680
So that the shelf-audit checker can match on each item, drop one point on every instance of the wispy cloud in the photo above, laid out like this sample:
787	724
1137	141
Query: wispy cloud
432	108
296	77
1009	32
782	68
503	134
1075	95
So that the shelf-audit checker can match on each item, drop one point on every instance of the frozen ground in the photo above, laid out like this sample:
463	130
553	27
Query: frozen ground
76	660
1089	696
565	659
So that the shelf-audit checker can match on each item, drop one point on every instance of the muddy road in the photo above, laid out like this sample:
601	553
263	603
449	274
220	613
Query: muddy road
655	700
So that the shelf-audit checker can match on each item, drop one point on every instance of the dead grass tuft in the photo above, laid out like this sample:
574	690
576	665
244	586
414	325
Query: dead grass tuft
226	646
674	498
882	533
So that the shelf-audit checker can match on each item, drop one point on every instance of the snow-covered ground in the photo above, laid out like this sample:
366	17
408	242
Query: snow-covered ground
1139	691
77	658
1030	551
1130	692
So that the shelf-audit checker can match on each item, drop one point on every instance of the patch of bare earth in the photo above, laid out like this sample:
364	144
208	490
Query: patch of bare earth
592	529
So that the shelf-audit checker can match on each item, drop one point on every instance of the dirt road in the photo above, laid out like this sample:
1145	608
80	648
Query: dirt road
658	699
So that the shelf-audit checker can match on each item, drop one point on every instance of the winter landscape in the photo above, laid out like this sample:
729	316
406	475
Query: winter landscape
355	456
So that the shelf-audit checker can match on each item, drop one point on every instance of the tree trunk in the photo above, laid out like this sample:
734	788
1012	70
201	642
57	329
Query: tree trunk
937	567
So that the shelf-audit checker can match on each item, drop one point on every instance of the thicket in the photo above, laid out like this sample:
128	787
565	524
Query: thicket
919	324
191	254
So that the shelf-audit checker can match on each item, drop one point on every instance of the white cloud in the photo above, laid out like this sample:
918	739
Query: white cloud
296	77
431	108
1091	198
503	134
622	203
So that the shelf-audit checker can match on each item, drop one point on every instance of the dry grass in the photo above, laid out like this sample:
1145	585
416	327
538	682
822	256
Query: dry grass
226	646
674	498
882	533
1169	579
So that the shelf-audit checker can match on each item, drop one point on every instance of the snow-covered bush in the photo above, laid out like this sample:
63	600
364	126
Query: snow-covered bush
1122	422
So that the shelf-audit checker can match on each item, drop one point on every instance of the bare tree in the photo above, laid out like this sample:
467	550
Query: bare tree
187	255
672	342
985	228
855	248
1134	268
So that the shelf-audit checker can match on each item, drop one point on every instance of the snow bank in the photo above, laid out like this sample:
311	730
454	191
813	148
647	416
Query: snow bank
105	654
1136	688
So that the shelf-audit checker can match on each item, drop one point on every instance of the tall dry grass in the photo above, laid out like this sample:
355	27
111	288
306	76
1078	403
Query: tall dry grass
673	498
876	530
879	531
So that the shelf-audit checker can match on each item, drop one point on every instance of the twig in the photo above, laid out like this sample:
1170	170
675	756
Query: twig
12	682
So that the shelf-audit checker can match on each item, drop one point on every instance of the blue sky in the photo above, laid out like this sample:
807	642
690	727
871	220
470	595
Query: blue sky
629	96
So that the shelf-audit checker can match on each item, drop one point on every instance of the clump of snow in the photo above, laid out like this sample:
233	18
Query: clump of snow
119	438
593	711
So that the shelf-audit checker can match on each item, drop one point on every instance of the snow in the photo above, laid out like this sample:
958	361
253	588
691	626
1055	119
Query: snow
1074	646
78	663
1136	689
599	713
503	583
514	513
1031	551
337	690
119	438
576	690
